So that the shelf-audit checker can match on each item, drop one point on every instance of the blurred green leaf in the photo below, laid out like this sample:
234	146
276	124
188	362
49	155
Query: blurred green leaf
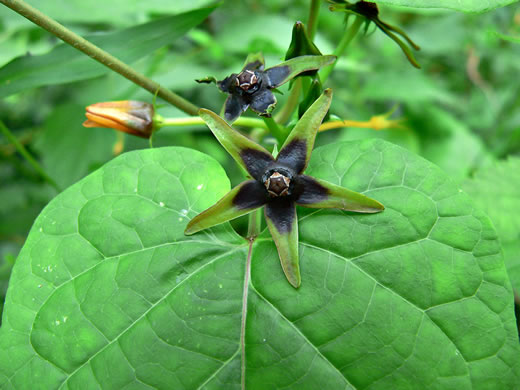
459	5
448	142
64	64
70	151
114	12
405	85
108	292
496	190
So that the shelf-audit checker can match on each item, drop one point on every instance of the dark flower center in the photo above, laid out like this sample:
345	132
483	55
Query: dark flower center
248	81
277	184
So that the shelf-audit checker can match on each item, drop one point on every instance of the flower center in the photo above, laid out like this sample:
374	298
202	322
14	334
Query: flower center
277	184
248	81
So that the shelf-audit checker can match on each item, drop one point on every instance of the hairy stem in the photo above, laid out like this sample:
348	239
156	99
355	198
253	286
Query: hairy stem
99	55
350	33
25	153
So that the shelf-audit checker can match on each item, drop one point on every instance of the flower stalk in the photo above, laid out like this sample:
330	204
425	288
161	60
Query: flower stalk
98	54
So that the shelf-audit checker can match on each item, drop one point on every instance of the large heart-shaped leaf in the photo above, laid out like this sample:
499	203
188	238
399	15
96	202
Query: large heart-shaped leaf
459	5
496	190
108	292
65	64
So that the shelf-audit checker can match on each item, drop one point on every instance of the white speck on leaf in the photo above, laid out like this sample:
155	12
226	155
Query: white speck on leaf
41	230
220	285
199	187
184	212
161	204
180	219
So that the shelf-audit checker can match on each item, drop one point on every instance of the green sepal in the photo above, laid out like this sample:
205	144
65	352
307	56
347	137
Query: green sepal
248	154
297	148
314	92
387	29
288	70
227	208
285	238
254	61
301	44
321	194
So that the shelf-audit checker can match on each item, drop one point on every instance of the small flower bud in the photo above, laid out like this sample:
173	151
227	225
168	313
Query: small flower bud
130	116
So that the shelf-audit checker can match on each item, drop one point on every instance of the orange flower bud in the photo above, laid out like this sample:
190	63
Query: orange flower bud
131	116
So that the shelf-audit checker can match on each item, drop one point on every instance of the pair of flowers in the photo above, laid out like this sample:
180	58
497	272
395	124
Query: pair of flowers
276	183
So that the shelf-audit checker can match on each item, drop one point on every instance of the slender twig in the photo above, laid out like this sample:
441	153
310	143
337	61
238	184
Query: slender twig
350	33
99	54
314	13
25	153
292	101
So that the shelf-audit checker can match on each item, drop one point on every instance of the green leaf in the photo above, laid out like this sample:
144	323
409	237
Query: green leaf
65	64
459	5
114	12
70	151
496	190
448	142
108	292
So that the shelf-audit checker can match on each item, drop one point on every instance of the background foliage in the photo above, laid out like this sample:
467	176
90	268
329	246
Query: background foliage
461	109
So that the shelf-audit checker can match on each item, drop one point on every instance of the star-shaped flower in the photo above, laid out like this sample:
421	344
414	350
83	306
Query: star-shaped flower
278	184
251	88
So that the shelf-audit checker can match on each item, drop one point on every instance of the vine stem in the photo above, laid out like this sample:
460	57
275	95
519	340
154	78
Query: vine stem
314	13
196	120
349	35
25	153
98	54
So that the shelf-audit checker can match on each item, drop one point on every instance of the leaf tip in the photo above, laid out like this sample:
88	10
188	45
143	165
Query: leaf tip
190	229
328	92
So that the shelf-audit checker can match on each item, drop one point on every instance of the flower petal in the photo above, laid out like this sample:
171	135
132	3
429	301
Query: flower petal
254	61
241	200
283	224
252	157
234	107
316	193
263	102
280	74
296	151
